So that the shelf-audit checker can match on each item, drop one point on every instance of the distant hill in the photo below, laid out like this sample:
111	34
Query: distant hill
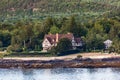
58	8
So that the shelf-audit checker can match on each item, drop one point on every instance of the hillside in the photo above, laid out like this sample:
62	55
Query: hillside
58	8
24	23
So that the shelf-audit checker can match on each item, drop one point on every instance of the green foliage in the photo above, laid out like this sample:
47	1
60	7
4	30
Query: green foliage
64	44
81	30
24	25
69	25
1	55
29	34
1	44
53	50
107	24
13	10
54	30
3	48
29	54
47	24
115	29
14	48
116	45
5	38
94	41
79	56
68	52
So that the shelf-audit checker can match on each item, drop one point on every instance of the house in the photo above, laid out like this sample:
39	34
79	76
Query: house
51	40
108	43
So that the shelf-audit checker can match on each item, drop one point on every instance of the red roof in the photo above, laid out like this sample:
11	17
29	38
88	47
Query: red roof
53	37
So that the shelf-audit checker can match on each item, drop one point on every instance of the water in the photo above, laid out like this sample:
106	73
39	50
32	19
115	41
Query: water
61	74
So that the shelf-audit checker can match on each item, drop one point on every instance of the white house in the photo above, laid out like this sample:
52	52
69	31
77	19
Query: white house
108	43
51	40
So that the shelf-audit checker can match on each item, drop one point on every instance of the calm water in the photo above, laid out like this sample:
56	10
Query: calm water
60	74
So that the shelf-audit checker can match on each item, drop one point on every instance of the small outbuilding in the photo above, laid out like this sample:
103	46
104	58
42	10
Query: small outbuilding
108	43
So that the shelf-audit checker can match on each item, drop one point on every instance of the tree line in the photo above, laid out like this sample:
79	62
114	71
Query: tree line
26	35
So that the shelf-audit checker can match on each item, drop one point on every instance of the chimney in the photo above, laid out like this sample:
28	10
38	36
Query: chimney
57	37
68	33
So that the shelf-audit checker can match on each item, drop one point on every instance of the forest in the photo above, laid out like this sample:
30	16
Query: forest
30	34
14	10
23	23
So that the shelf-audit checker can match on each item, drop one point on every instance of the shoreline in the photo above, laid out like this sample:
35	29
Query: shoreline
60	63
88	60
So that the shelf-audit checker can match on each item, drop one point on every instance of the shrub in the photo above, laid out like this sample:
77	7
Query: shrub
10	49
1	55
15	48
3	48
53	50
68	52
79	56
64	44
27	54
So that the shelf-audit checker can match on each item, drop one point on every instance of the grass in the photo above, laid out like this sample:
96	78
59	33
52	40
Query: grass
27	54
1	55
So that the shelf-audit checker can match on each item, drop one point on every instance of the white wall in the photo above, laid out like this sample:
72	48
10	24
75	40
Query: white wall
46	43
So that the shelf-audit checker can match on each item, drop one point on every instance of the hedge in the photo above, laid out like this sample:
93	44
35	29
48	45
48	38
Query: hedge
25	54
68	52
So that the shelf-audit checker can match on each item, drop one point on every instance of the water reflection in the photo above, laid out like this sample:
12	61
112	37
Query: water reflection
27	74
60	74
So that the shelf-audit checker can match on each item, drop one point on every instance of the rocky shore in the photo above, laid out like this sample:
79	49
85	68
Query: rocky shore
57	63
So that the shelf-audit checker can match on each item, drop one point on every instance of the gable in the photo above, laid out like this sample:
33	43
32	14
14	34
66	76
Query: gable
46	41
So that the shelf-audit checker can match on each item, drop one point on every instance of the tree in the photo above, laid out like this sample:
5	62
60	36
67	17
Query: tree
28	31
5	37
69	25
119	34
94	41
47	25
114	32
16	38
1	44
54	30
63	45
6	26
98	28
81	31
116	45
107	24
